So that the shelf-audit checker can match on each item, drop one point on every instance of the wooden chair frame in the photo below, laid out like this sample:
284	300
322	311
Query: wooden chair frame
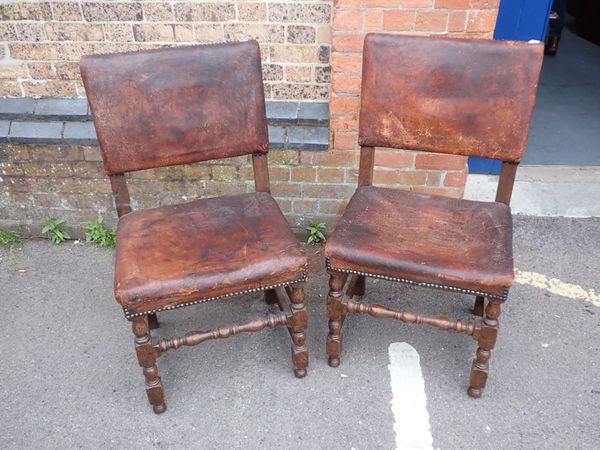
340	303
379	104
206	80
290	300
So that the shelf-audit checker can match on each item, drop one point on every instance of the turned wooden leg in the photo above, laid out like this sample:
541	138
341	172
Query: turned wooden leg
153	321
336	311
271	297
297	324
487	340
360	285
146	355
478	307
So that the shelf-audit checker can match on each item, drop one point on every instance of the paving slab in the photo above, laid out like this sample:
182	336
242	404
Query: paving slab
559	191
70	378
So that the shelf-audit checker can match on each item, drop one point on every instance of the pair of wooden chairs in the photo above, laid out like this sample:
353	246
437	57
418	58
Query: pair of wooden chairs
184	105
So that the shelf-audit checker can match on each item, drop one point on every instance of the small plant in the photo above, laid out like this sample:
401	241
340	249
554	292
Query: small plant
316	235
9	238
54	230
97	233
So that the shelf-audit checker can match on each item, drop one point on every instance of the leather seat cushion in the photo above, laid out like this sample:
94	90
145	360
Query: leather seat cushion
425	239
203	249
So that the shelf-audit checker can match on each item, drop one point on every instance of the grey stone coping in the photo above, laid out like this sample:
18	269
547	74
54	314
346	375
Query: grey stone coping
292	125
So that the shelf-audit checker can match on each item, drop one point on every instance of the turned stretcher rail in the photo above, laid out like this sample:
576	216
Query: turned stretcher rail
468	327
222	332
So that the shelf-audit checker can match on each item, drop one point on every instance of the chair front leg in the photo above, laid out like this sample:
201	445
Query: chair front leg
146	355
487	341
297	324
336	311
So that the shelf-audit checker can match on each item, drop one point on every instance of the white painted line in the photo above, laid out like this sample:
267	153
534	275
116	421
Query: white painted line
409	404
558	287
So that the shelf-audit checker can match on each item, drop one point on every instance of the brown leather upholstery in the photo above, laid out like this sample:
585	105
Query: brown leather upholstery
425	239
467	97
176	105
208	248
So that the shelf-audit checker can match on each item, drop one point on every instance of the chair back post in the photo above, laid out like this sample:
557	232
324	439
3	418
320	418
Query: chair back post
506	182
120	193
365	168
261	172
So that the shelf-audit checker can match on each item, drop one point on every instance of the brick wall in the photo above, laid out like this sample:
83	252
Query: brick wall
67	181
431	173
41	42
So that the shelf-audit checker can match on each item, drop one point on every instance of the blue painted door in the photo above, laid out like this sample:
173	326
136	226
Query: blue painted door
518	20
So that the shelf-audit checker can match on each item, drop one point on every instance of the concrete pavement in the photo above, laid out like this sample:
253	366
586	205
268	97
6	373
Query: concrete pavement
69	377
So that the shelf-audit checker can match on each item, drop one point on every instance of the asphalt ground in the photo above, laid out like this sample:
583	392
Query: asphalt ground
69	377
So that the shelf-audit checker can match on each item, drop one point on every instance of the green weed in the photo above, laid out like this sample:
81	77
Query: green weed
9	239
55	231
97	233
316	235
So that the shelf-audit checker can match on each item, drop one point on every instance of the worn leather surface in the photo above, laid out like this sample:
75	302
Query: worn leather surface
458	96
202	249
425	238
176	105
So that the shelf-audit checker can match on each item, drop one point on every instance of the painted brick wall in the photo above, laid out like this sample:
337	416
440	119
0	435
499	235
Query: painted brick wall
41	42
431	173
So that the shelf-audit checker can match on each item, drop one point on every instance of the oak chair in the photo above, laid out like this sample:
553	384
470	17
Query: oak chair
471	98
184	105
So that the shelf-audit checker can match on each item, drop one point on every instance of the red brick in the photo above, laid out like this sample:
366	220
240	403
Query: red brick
340	158
388	177
453	4
412	178
394	158
381	3
344	141
346	84
346	63
313	158
457	21
348	20
445	192
481	21
398	20
416	3
484	4
431	21
344	104
344	123
304	206
457	179
440	162
304	174
330	175
348	42
434	178
373	20
322	190
349	3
